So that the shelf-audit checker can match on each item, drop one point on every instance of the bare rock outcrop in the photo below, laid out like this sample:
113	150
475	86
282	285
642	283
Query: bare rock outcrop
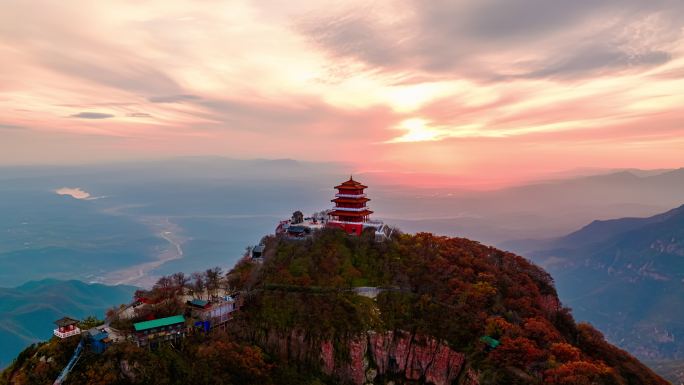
375	357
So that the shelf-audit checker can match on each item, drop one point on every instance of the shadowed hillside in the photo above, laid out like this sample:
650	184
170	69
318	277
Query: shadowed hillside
624	275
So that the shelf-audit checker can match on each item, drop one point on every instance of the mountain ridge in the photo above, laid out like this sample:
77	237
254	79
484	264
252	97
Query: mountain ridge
445	311
636	260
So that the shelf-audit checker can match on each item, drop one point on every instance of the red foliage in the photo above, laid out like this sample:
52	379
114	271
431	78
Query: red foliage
454	289
498	327
578	373
541	331
236	362
517	352
564	352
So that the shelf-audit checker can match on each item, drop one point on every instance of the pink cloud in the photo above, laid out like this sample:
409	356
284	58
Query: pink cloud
551	86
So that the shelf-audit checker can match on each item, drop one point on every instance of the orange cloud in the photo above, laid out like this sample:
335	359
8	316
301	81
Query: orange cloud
451	87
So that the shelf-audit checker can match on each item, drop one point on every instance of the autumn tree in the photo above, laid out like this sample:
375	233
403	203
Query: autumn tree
213	280
564	352
198	284
180	281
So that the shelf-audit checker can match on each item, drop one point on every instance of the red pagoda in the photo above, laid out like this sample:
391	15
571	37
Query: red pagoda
66	327
350	212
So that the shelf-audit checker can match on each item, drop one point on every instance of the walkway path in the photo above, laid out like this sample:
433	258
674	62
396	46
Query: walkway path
72	362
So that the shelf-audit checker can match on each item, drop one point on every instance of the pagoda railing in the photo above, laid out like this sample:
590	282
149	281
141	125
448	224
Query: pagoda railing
70	333
364	222
350	196
351	209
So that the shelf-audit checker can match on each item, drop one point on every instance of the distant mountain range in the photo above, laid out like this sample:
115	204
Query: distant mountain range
27	311
540	210
214	207
626	276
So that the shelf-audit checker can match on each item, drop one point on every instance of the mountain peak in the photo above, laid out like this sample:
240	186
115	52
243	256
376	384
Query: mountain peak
339	309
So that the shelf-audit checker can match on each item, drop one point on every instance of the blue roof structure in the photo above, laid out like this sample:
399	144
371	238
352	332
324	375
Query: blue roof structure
100	336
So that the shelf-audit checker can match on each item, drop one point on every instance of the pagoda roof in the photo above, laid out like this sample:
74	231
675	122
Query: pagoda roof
65	321
350	200
351	184
344	213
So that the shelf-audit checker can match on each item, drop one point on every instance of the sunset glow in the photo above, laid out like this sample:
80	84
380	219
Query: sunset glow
444	87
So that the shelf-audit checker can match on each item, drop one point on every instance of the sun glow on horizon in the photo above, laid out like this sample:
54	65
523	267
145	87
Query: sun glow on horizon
417	130
168	78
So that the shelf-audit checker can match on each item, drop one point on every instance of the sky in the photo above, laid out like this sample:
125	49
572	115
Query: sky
499	89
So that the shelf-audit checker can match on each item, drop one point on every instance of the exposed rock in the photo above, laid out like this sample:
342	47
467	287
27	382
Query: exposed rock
127	370
471	377
416	357
356	368
376	355
328	357
371	374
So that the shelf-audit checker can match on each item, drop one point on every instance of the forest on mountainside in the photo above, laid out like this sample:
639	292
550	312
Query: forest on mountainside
441	303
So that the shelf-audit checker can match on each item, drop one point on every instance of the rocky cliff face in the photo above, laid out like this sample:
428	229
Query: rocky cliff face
417	358
375	357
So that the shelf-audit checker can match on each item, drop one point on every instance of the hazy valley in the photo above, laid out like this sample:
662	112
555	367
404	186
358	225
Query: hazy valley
27	312
636	260
189	214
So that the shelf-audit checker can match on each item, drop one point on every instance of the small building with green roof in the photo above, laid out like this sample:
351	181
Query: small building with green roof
491	343
154	332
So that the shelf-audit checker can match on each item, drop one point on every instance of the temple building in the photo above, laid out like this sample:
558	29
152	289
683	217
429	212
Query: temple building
256	253
163	330
300	227
66	327
350	211
211	314
349	214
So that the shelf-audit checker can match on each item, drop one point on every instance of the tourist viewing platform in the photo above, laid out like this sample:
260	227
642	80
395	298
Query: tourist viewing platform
66	334
66	327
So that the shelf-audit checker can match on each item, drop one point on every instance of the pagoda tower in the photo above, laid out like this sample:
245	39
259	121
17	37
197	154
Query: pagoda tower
350	211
